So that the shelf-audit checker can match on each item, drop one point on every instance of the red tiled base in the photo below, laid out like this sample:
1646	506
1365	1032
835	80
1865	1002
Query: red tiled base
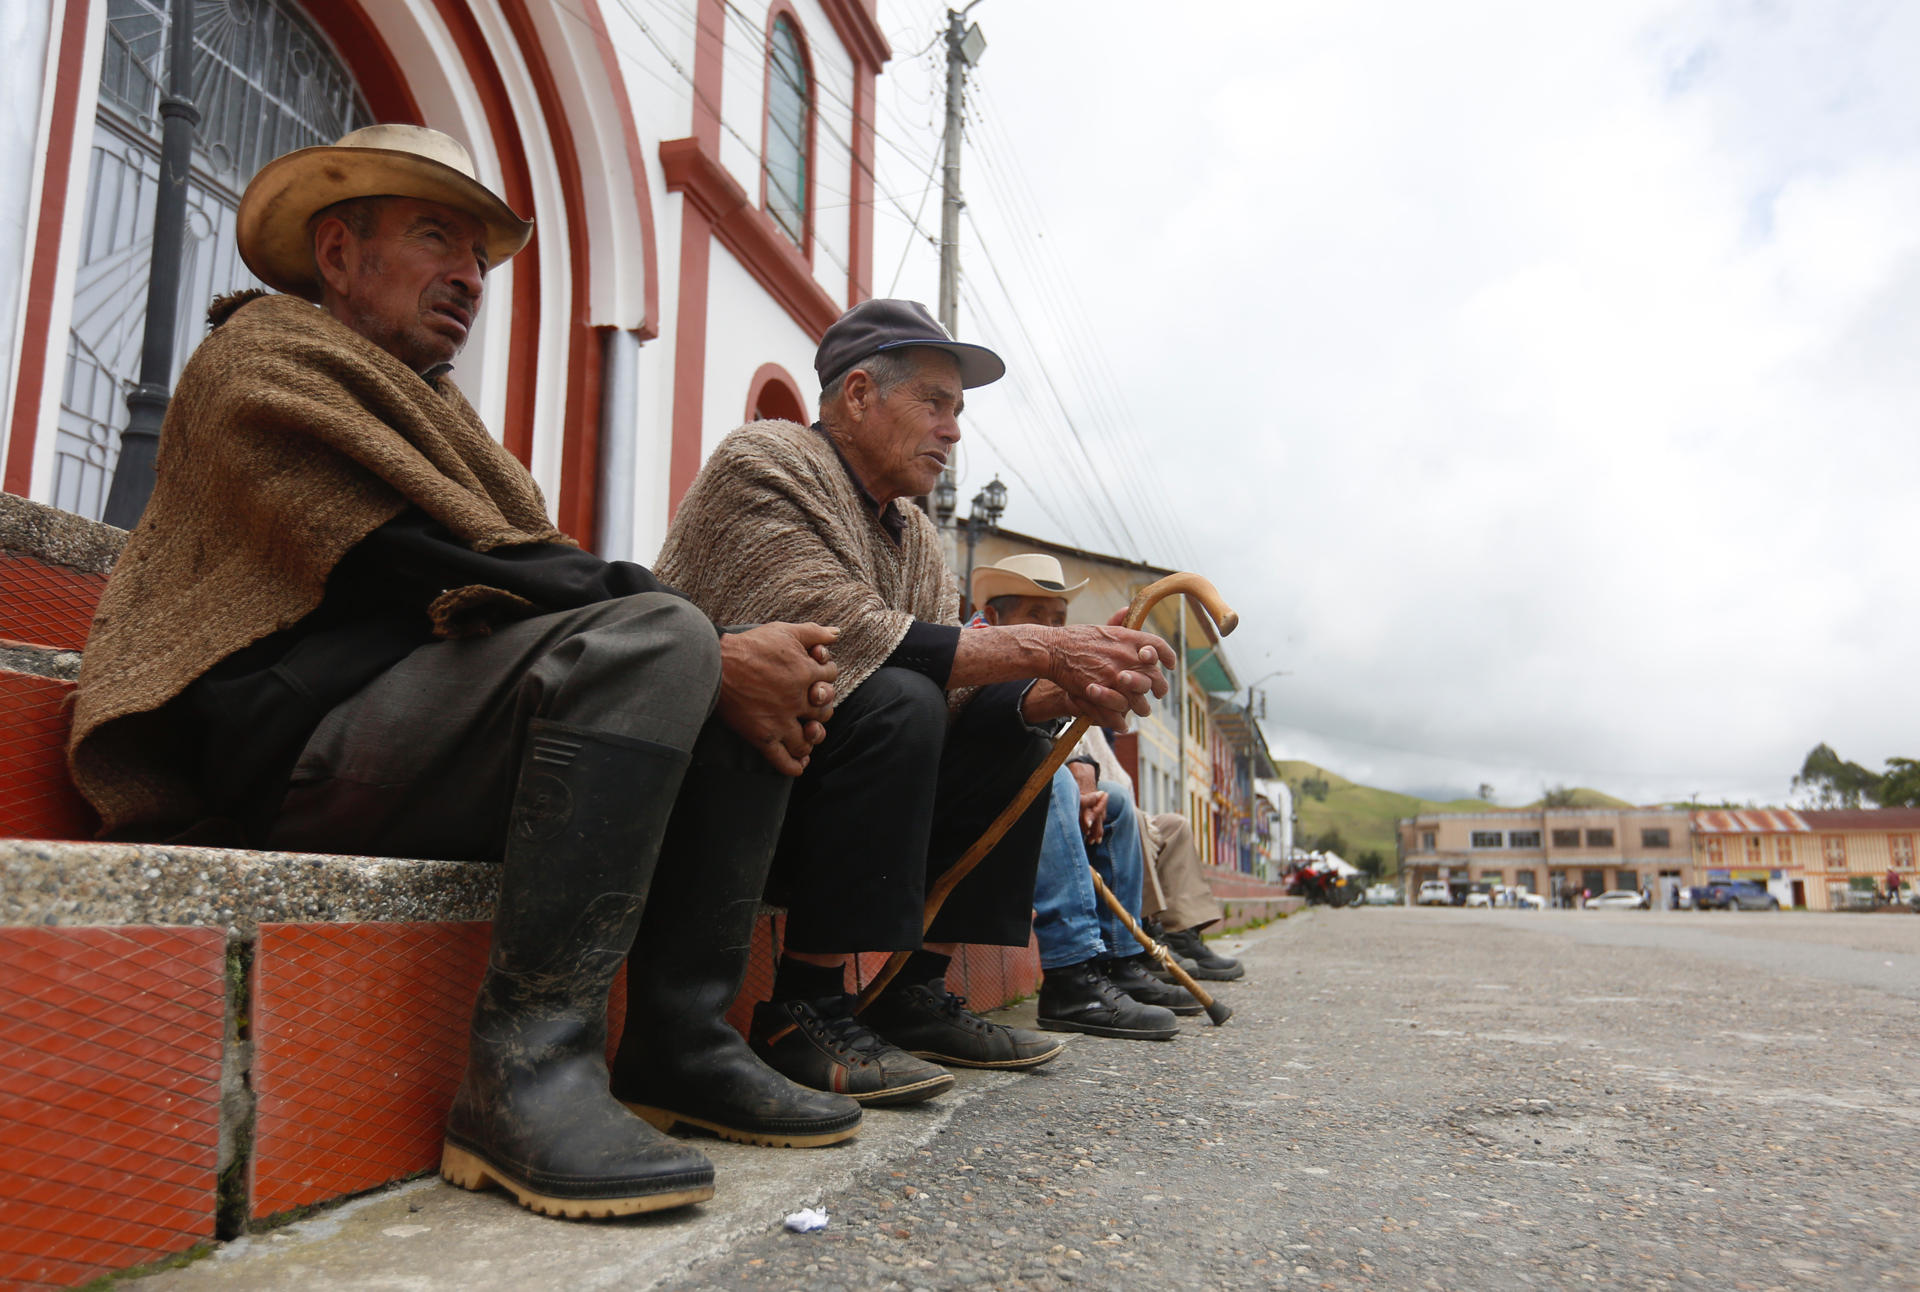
110	1048
46	605
37	801
360	1035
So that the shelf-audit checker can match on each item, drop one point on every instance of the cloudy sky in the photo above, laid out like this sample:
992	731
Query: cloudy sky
1538	379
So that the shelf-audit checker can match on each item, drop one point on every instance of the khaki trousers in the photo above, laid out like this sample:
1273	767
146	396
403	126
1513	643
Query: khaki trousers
1176	890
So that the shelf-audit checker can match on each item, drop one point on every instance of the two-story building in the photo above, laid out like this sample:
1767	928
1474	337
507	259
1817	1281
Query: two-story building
1557	852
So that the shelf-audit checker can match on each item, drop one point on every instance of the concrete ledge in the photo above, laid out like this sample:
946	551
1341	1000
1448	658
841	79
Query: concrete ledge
43	883
58	537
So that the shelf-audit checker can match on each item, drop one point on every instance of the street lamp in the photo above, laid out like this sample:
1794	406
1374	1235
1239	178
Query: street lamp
984	513
945	499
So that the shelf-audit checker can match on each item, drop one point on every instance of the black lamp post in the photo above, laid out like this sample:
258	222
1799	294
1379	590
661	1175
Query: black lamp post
984	513
147	402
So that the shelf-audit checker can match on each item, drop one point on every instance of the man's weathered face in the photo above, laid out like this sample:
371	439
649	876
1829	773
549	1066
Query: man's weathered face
1045	612
899	442
412	286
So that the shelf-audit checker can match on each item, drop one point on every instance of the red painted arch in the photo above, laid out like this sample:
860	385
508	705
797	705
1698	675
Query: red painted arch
774	393
358	43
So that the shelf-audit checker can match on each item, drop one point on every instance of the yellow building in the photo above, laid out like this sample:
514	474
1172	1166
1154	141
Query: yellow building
1828	860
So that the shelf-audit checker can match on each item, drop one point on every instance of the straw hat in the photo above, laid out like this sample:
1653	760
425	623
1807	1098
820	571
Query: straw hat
1031	574
376	161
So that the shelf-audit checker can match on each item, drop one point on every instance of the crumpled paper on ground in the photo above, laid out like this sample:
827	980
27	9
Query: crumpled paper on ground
807	1220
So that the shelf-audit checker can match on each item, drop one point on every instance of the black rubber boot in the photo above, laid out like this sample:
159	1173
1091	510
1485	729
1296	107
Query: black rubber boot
679	1060
1129	974
533	1114
1078	998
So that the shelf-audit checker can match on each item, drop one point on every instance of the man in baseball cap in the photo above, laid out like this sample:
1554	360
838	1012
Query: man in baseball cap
346	603
934	731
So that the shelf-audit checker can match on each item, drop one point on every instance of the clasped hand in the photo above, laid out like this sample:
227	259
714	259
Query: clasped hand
1105	674
776	689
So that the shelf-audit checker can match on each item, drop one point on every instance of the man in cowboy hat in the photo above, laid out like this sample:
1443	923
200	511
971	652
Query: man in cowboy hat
934	730
1094	980
346	624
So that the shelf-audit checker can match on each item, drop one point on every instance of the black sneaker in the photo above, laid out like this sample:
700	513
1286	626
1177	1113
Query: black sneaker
830	1049
1078	998
930	1022
1210	963
1130	975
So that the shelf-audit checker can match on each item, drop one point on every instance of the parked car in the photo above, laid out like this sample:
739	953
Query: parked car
1618	899
1477	897
1738	895
1527	900
1435	893
1383	895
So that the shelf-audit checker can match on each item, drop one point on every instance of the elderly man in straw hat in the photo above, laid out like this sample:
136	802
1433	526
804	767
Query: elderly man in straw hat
934	729
1094	977
345	624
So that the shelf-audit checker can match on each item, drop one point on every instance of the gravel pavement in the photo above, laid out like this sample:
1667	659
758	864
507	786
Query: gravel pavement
1440	1099
1431	1098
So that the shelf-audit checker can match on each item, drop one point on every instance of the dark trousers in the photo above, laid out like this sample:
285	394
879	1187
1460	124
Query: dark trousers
423	760
892	797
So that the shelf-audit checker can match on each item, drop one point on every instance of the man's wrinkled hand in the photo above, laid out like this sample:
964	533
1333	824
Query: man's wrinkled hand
776	689
1108	673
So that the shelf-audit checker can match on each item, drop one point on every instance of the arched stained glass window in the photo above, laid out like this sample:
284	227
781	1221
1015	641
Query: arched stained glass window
265	83
789	129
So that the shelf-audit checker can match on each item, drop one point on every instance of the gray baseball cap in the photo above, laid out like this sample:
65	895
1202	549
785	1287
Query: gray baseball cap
877	325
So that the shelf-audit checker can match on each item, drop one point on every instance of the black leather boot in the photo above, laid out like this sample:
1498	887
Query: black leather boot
533	1114
679	1060
1078	998
1129	974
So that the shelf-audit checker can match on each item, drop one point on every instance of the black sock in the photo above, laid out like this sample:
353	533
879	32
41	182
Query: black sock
923	967
797	980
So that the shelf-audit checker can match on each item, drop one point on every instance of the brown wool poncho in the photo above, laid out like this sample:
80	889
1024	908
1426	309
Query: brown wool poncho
289	440
773	529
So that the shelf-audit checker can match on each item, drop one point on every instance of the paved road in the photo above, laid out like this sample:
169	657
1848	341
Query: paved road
1405	1099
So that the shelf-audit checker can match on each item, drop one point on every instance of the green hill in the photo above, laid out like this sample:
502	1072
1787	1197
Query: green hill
1585	798
1365	816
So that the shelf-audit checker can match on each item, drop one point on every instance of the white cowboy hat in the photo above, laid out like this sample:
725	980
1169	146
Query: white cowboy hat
1031	574
375	161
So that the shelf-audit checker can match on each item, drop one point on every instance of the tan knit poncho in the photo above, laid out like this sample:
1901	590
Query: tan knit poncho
289	439
774	529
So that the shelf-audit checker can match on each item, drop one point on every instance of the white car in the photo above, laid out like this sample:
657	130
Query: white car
1435	893
1618	899
1480	899
1528	901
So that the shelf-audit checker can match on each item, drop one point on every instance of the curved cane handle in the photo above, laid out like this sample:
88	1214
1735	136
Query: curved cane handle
1211	603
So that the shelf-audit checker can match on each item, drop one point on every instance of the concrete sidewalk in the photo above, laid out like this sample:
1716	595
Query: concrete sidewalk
425	1235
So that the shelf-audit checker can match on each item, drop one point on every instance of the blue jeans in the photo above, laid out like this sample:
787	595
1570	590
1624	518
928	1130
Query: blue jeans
1070	920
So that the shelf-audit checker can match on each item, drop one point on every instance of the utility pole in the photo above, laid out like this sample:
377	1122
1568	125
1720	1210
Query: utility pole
965	44
147	402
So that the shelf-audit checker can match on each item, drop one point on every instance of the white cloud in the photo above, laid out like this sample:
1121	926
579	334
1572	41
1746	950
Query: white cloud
1537	378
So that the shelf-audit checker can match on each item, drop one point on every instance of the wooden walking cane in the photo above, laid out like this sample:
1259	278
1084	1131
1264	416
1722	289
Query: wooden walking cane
1216	1011
1208	598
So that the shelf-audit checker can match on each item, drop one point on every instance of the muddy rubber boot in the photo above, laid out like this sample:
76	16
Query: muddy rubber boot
680	1062
533	1114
